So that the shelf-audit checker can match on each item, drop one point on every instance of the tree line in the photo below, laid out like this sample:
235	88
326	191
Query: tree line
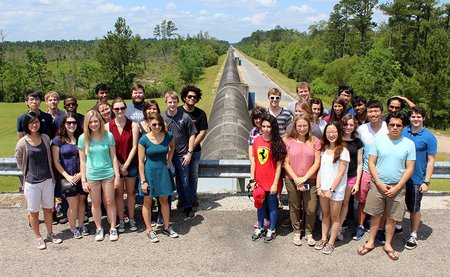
406	55
119	58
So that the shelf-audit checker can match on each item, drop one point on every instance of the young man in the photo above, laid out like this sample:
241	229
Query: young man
391	163
33	101
52	100
102	93
183	130
346	92
283	116
303	92
134	111
190	95
397	104
367	134
426	149
70	105
359	104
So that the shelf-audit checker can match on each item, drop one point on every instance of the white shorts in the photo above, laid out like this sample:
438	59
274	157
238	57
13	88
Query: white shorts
40	194
337	196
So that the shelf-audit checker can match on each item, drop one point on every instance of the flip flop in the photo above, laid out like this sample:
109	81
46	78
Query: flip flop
391	254
363	250
311	242
297	240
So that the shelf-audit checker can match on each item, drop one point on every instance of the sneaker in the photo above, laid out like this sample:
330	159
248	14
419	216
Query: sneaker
270	236
153	223
170	232
411	243
152	236
381	237
40	243
189	212
84	230
133	226
63	220
53	238
328	249
340	234
266	224
257	234
195	203
99	234
320	244
113	236
160	223
121	226
359	233
76	233
398	230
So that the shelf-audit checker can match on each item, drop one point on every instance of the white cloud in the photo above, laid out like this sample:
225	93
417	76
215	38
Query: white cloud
138	9
267	3
316	18
257	18
203	12
171	6
301	9
109	8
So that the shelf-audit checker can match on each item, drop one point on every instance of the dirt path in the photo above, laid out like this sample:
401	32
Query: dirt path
443	144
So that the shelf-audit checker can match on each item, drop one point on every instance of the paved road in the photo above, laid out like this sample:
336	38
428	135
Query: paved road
259	83
216	242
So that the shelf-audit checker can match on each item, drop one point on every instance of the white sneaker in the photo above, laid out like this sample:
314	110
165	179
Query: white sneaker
99	234
113	236
53	238
152	236
40	243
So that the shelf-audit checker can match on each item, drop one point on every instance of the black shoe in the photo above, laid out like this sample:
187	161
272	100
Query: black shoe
195	203
189	212
398	230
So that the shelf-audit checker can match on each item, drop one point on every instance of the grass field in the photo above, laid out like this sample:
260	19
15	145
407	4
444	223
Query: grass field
10	111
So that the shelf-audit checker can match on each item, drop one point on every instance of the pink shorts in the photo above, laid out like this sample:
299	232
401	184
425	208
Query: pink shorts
351	182
364	187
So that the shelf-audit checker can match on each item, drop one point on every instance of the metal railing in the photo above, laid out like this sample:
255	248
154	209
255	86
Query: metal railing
239	169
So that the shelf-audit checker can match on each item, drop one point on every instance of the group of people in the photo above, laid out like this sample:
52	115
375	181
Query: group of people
327	158
112	149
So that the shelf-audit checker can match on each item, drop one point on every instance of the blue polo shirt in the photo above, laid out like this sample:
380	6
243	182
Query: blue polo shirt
47	127
426	144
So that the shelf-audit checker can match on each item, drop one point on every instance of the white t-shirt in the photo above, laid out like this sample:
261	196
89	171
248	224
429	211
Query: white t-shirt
367	136
329	171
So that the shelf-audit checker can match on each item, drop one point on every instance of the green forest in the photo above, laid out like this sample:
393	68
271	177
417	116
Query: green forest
407	55
119	58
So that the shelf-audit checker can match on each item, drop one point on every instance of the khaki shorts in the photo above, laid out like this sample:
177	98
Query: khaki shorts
107	181
377	203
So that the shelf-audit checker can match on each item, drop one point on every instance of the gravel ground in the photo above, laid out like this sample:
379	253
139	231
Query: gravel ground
216	242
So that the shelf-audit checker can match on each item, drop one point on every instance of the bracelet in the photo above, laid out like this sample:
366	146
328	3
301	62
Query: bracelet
427	183
190	151
332	190
144	182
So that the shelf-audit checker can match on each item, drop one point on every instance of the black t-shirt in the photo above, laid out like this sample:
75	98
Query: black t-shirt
353	146
198	116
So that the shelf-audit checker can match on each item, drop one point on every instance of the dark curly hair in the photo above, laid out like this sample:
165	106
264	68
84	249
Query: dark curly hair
63	131
276	143
186	89
340	143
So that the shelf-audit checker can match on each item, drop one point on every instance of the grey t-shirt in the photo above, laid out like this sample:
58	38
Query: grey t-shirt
182	128
38	170
134	113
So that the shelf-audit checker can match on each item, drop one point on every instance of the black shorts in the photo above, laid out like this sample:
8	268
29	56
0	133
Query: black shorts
413	197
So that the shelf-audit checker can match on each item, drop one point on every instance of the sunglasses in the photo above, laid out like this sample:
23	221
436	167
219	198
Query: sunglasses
71	122
191	97
275	97
157	124
119	109
395	125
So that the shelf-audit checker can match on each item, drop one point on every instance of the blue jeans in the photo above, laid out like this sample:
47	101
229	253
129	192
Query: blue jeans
193	173
182	180
270	204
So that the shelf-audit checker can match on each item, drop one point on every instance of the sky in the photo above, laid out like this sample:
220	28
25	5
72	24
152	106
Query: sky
230	20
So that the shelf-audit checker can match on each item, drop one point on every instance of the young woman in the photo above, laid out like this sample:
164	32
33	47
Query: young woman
338	110
303	107
267	157
301	165
150	108
155	152
99	171
126	135
105	111
317	124
34	159
355	148
67	162
331	183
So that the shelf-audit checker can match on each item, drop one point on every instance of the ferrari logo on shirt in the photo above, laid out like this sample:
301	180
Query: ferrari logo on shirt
263	154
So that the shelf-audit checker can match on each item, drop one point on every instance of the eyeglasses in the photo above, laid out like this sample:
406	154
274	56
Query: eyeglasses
71	105
157	124
71	122
395	125
275	97
191	96
119	109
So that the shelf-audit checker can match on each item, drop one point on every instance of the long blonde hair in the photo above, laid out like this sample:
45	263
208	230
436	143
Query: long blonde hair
87	132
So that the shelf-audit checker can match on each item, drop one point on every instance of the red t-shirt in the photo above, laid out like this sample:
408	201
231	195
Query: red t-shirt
124	141
265	166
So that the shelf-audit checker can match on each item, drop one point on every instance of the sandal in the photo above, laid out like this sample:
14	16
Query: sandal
311	241
391	254
363	250
297	240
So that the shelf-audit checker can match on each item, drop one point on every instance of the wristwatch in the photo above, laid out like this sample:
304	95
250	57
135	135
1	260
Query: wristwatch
427	183
332	190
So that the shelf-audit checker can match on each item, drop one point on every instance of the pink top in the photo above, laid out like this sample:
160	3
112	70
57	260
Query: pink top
302	155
